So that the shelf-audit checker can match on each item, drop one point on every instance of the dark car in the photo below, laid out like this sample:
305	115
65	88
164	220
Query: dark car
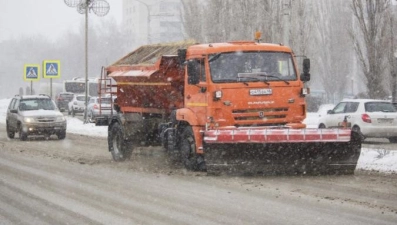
34	115
63	99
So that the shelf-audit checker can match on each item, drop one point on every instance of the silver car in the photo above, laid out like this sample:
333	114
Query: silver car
99	107
34	115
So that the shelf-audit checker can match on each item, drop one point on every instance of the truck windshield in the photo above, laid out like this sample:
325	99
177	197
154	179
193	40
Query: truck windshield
252	67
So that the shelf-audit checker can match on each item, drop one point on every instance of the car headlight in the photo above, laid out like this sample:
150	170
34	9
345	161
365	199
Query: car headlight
28	119
60	119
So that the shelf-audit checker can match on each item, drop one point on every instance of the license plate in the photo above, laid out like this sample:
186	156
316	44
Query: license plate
265	91
385	120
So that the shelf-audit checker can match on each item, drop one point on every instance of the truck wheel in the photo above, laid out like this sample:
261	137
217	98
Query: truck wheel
173	152
22	135
118	147
190	159
10	134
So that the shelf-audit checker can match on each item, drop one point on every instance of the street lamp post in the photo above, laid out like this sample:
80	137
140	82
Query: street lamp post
100	8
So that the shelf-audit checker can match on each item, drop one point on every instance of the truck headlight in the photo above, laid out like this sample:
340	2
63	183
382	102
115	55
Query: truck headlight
217	95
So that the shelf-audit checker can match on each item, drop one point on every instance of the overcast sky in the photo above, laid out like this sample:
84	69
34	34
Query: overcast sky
46	17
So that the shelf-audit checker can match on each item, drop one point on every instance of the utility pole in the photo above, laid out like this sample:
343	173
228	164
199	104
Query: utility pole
100	8
394	57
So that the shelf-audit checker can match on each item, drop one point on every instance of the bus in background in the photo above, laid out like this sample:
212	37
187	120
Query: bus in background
77	86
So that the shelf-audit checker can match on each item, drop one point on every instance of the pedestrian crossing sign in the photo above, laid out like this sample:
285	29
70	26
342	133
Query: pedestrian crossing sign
31	72
51	69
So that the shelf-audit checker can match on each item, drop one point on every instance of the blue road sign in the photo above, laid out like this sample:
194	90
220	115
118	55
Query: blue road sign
31	72
51	69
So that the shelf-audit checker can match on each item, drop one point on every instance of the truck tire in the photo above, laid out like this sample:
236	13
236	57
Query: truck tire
190	159
171	148
120	149
10	133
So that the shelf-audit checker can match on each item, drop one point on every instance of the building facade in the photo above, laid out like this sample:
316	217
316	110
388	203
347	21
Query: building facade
152	21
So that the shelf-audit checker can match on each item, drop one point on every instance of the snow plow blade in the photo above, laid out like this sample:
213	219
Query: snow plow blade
281	151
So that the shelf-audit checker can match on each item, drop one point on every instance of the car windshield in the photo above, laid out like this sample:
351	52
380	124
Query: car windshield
80	98
379	107
251	66
36	104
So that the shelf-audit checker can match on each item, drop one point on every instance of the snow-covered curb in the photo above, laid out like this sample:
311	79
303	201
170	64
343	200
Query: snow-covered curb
379	160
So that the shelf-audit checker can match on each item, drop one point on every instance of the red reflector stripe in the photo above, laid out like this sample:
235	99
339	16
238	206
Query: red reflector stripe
275	136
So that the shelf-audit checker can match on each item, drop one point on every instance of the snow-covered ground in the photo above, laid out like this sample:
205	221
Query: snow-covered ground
380	160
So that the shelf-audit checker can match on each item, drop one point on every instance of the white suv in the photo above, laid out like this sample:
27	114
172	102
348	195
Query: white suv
369	117
77	104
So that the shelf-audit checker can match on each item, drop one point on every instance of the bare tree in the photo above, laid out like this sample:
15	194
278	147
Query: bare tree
300	25
193	12
224	20
333	51
371	42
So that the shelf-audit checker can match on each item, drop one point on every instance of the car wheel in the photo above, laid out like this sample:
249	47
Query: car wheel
10	134
73	112
90	117
321	126
69	111
23	136
61	135
358	130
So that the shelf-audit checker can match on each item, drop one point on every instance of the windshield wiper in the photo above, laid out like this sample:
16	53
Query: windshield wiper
273	76
252	79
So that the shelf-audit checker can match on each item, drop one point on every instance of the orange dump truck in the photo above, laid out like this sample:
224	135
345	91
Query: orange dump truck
235	107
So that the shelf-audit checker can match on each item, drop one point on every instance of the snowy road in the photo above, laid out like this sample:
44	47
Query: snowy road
74	181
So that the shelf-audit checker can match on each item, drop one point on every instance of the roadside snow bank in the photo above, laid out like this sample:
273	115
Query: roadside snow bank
379	160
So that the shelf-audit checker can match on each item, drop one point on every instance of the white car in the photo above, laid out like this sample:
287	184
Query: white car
369	117
77	104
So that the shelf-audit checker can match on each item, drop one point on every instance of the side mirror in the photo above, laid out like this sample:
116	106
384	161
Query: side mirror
330	111
193	72
13	111
305	76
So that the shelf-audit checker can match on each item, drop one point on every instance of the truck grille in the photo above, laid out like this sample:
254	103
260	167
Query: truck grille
263	116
